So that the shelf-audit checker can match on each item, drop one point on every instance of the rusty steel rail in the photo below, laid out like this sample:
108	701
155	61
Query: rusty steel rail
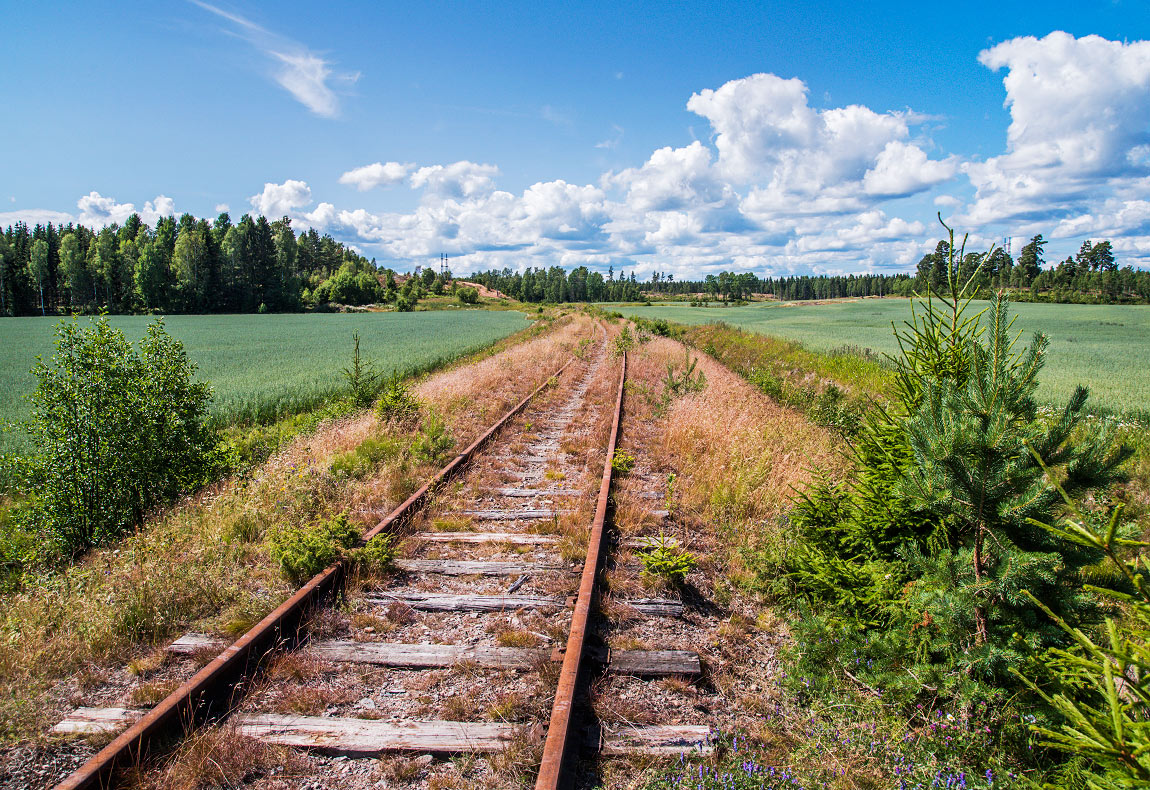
555	749
216	681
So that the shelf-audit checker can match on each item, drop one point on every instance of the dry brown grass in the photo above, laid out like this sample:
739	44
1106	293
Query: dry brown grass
149	694
221	757
517	637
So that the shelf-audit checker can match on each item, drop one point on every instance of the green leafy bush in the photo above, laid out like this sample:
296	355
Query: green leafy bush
665	560
366	458
467	295
376	556
623	342
302	552
118	431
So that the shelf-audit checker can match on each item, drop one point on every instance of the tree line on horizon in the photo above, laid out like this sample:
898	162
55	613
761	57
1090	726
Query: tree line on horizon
1090	276
184	265
191	265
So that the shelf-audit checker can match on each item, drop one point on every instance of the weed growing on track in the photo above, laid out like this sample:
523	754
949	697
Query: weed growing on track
665	561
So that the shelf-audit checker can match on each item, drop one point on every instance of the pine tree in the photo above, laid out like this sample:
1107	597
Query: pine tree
980	455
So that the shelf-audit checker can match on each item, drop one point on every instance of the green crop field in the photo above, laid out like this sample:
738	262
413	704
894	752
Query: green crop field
261	364
1105	347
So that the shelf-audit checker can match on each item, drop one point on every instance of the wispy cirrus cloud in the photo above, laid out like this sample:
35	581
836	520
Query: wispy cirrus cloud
305	75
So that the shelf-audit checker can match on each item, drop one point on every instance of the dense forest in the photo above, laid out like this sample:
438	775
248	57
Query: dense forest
187	265
192	265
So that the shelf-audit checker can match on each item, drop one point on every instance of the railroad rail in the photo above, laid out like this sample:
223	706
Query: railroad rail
218	688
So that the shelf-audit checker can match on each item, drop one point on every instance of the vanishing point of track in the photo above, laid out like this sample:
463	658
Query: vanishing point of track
216	691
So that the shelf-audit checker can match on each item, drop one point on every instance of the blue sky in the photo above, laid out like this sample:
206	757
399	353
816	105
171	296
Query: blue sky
674	137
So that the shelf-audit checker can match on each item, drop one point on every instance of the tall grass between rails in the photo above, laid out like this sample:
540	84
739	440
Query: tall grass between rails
207	565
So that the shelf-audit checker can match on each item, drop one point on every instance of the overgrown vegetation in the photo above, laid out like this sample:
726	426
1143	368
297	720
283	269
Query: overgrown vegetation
923	566
118	431
966	604
665	560
302	552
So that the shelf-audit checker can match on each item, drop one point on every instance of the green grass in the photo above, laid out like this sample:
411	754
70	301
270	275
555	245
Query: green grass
263	366
1105	347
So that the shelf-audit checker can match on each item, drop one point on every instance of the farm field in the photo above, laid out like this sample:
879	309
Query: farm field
1105	347
262	363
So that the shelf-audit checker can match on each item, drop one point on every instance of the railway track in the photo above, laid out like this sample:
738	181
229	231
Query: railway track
479	642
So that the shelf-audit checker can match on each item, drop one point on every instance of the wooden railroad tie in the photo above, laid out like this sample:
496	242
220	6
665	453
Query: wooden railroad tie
512	515
479	567
371	737
640	663
531	492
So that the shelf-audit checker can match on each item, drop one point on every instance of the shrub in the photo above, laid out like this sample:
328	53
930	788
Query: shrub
118	431
622	462
365	458
396	403
664	559
434	440
376	555
623	342
467	295
302	552
362	380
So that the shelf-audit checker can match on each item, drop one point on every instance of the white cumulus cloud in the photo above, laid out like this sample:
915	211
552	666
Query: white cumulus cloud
278	200
461	179
1079	127
98	211
375	175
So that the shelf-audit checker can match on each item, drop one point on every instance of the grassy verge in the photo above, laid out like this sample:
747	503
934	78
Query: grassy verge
806	717
68	634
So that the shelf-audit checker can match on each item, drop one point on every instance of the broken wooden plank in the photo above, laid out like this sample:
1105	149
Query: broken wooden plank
392	654
370	737
656	607
193	642
644	663
91	721
443	602
475	567
668	740
511	515
516	538
530	492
